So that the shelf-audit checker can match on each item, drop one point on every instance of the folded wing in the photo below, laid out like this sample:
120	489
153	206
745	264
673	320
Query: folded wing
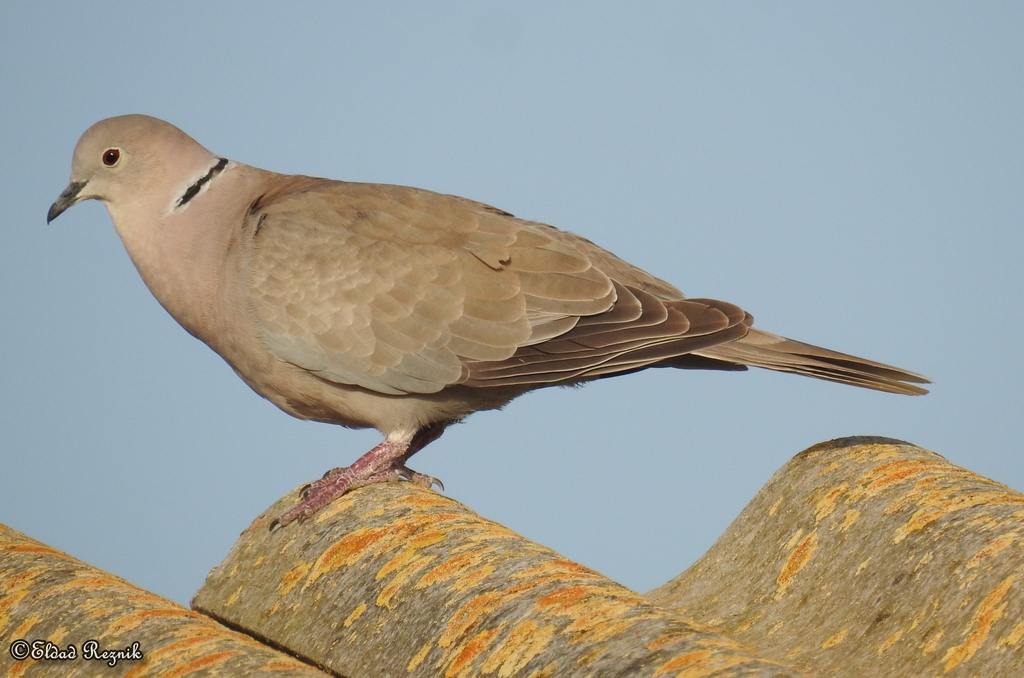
399	290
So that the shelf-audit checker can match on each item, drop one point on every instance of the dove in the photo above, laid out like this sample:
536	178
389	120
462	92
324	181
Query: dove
396	308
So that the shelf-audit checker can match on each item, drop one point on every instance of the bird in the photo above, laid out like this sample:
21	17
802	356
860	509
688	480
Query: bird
397	308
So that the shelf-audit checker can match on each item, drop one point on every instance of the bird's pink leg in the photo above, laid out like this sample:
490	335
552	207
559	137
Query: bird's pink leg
384	463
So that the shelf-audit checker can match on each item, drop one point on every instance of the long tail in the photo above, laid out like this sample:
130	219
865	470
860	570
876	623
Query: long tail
770	351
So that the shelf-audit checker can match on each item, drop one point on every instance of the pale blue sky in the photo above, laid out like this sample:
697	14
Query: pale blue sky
850	173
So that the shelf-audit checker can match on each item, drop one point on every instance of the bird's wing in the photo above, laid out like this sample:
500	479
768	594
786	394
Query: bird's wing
400	290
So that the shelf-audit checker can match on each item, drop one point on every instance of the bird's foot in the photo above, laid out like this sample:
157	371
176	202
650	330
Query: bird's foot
384	463
334	484
398	472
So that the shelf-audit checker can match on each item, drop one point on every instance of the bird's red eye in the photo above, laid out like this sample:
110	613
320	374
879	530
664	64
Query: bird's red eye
111	156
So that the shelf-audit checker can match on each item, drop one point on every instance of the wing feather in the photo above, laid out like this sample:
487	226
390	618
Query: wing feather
399	291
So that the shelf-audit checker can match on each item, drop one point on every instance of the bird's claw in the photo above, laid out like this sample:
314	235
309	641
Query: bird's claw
339	481
421	479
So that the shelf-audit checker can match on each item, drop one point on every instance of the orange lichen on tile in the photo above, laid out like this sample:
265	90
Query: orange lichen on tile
545	672
924	560
522	588
172	653
704	663
26	626
932	642
1013	637
835	639
719	643
397	562
918	619
669	639
595	612
472	578
291	578
101	607
562	600
940	503
682	661
796	561
426	499
359	543
579	599
432	536
235	595
746	624
892	473
356	614
453	568
989	611
890	641
188	668
91	582
795	539
606	621
829	469
401	579
469	615
418	658
132	621
587	658
997	545
26	547
827	504
477	645
849	518
561	568
526	640
880	453
22	580
340	505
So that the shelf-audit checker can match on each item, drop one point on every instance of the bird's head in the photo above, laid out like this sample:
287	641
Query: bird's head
132	160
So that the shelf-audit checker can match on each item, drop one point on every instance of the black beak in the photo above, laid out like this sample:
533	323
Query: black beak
68	198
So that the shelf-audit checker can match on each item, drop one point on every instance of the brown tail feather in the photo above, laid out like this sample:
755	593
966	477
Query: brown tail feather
762	349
